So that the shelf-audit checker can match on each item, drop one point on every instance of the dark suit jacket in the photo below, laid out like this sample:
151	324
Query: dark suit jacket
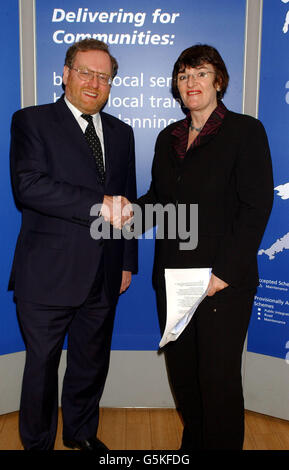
229	176
55	182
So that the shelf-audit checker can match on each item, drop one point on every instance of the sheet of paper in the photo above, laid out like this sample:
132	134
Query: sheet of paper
185	290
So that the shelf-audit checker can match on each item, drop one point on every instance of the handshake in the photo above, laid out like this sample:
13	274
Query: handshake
117	210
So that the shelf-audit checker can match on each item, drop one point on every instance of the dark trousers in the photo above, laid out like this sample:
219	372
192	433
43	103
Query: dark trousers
204	368
89	329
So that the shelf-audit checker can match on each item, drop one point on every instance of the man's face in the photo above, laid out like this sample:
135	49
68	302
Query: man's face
87	96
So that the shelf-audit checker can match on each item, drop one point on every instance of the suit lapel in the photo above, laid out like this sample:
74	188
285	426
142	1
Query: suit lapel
109	144
73	133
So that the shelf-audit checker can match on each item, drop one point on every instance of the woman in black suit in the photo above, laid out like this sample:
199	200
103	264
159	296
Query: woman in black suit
221	161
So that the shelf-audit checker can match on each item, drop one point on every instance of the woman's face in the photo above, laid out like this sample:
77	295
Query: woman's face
197	88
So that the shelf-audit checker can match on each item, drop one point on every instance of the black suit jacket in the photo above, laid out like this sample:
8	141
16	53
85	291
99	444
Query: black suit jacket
55	182
229	176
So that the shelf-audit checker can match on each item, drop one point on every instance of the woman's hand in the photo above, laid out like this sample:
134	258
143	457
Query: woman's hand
215	284
125	281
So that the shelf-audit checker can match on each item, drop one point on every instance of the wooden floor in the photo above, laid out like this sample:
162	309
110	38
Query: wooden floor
154	429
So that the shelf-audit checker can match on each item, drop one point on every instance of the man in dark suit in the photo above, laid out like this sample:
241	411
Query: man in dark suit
65	158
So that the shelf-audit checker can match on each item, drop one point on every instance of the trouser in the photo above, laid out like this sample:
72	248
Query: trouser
204	367
89	329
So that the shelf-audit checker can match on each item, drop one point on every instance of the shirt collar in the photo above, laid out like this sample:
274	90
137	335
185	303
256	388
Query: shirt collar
211	127
77	114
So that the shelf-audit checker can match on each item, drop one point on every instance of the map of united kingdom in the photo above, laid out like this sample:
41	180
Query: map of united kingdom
283	242
286	23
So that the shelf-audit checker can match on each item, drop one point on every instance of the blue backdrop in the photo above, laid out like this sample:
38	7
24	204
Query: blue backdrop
10	339
146	38
269	328
152	40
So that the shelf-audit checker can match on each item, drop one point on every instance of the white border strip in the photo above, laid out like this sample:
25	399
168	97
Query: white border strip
245	57
34	50
252	56
27	47
259	58
21	54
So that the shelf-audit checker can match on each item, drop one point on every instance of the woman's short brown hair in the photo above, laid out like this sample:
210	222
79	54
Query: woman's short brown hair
195	56
89	45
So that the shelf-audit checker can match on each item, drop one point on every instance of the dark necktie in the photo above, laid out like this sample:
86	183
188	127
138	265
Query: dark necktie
94	143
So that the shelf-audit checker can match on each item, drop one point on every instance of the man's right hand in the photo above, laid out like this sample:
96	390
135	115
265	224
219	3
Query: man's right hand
117	210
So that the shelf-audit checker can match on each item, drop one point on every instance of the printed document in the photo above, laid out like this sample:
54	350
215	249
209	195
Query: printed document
185	289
